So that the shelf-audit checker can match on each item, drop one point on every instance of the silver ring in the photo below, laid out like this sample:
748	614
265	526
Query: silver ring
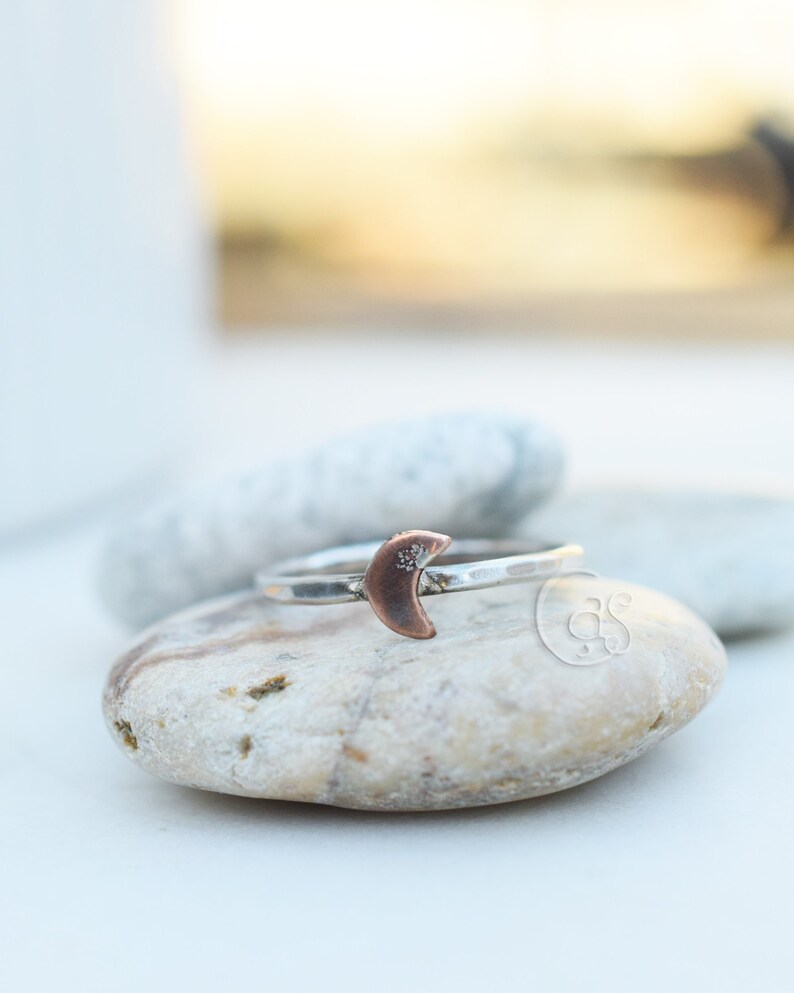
393	575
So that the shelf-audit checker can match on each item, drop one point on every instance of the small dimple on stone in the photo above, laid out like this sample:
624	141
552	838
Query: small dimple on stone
355	753
273	685
124	728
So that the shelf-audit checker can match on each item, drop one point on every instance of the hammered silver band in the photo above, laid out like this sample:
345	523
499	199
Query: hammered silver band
309	579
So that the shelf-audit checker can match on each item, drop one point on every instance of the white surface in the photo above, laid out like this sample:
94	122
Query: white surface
672	873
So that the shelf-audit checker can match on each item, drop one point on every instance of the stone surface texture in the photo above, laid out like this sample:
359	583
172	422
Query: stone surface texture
326	705
467	474
727	556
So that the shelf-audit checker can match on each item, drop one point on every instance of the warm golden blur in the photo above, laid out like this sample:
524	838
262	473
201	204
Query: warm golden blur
495	158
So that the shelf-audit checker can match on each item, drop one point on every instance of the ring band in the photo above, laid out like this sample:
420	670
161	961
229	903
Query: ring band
393	575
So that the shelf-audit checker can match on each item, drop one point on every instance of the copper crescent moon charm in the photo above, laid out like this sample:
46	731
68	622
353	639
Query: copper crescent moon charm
392	579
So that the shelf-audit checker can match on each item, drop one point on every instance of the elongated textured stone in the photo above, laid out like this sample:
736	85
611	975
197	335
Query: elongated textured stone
728	556
469	475
325	704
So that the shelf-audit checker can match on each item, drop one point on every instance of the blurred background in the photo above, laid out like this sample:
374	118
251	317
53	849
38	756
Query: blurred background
189	188
596	166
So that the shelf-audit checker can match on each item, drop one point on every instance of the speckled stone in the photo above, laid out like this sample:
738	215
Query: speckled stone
465	474
325	705
728	556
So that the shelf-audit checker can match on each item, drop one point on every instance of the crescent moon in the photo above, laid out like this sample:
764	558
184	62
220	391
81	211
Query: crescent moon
392	580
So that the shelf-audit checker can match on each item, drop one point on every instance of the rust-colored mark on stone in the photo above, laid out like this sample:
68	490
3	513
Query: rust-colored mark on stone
229	691
245	745
355	753
657	722
124	728
273	685
149	653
